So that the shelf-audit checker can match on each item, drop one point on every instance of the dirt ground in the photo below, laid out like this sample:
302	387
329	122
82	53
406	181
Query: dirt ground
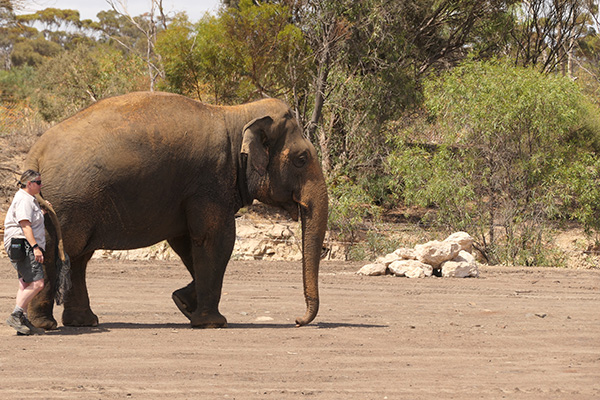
515	333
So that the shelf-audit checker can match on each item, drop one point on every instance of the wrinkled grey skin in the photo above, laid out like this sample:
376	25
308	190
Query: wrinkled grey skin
133	170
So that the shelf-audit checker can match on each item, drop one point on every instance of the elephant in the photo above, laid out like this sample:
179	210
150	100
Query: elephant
133	170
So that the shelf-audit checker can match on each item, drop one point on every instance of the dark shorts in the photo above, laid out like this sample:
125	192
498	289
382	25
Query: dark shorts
28	269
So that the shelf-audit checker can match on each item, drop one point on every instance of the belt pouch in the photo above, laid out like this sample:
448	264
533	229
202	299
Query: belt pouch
17	249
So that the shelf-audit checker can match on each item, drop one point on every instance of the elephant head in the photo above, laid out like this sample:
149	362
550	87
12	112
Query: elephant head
283	170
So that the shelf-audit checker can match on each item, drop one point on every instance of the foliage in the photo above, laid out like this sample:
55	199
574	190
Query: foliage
545	33
370	57
33	52
197	62
241	55
77	78
17	83
374	245
350	207
498	169
580	183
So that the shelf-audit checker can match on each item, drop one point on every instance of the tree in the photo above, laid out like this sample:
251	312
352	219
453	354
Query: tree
370	57
200	63
77	78
149	27
545	32
21	44
586	55
245	53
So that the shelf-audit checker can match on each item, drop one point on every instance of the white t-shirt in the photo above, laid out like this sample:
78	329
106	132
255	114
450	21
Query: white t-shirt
24	207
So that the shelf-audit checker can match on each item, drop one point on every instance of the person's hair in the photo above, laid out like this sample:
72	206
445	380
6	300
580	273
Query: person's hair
26	177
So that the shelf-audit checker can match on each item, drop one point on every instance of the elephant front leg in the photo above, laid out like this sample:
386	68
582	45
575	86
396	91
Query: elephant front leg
210	261
208	284
207	314
185	299
77	311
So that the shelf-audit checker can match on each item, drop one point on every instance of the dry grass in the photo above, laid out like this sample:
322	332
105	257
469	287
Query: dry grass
20	127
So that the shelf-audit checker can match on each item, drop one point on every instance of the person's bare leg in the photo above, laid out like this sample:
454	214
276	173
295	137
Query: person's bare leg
27	292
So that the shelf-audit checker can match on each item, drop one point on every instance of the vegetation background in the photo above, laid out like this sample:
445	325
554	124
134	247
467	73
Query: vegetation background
475	115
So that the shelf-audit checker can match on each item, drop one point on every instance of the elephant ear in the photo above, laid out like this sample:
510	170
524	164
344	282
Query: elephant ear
254	143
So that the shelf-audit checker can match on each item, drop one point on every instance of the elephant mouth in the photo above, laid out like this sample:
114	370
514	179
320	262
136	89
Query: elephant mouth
293	209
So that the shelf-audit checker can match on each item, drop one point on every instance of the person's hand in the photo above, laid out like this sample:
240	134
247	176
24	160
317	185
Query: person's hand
44	209
39	255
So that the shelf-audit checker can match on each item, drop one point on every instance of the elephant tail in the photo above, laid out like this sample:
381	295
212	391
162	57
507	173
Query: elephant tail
63	263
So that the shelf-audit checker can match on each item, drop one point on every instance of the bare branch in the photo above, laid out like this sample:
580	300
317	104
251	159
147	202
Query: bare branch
154	67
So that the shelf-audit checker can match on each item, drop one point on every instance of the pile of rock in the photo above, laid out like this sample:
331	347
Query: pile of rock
450	258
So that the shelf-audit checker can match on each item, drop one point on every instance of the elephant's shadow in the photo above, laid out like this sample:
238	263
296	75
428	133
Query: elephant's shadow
109	326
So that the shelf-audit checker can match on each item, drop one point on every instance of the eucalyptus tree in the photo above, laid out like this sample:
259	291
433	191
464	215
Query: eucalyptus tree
545	32
244	53
148	24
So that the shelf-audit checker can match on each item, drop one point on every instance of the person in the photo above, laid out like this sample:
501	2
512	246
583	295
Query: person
25	241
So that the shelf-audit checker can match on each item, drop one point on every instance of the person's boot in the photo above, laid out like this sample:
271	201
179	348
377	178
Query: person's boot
33	329
17	321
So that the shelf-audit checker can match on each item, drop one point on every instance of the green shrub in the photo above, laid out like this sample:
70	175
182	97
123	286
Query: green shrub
350	209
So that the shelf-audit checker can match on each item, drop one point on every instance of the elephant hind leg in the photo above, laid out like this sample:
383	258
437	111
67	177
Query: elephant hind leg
77	311
41	308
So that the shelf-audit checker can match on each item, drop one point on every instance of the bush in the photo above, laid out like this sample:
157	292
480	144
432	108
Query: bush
75	79
508	143
374	245
350	208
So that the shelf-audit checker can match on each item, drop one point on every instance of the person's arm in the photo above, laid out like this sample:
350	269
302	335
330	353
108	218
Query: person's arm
28	232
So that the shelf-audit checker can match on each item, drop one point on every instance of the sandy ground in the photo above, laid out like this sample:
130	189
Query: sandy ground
513	333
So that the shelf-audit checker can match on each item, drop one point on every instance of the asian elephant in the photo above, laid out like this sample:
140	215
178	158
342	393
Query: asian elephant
133	170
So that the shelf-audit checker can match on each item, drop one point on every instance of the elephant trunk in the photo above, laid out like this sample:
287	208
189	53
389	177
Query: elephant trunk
313	212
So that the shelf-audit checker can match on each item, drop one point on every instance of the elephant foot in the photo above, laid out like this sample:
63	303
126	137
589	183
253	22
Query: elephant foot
208	321
44	322
79	318
185	300
182	306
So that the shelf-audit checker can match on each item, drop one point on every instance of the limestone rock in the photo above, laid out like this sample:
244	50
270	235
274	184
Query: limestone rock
463	266
435	252
405	253
465	256
373	270
463	239
387	259
410	269
265	241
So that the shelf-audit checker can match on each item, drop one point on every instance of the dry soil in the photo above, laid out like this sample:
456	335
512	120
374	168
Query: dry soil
514	333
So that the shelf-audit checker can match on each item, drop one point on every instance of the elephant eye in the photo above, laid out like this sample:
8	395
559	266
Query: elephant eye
300	161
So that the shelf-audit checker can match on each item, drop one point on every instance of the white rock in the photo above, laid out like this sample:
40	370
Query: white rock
387	259
463	266
463	239
405	253
373	270
465	256
410	269
435	252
